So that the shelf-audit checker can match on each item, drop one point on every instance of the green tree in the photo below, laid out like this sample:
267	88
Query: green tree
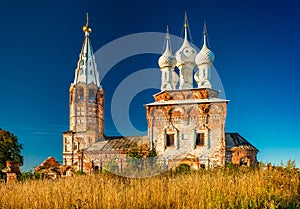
10	149
142	161
112	166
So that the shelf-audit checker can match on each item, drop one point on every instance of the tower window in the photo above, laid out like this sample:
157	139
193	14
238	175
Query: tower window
170	140
80	93
92	94
200	139
67	148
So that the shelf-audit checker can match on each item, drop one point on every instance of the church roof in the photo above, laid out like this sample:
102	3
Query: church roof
235	141
11	167
118	144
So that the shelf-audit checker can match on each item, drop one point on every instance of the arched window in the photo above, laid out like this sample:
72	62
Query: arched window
80	94
200	139
92	94
170	140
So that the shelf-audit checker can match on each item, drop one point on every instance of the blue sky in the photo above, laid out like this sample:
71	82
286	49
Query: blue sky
256	44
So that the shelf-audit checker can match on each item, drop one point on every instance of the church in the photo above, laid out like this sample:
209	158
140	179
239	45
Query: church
186	124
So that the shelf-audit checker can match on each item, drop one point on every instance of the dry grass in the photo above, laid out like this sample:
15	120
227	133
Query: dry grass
203	189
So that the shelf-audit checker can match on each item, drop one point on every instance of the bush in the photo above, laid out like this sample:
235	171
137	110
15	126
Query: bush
183	169
29	175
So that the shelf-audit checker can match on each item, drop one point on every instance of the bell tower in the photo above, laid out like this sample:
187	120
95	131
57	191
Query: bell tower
86	105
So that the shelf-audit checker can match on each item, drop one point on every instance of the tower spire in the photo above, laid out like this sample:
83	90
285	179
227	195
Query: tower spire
204	34
185	25
87	19
86	71
167	33
168	47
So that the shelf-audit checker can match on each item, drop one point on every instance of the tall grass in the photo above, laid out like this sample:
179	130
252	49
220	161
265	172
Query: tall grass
218	188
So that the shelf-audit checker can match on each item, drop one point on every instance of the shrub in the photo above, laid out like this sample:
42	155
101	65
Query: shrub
182	169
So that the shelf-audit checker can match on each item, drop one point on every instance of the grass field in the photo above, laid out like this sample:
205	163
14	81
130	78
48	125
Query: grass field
217	188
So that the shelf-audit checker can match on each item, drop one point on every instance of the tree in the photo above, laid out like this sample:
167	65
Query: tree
10	149
142	161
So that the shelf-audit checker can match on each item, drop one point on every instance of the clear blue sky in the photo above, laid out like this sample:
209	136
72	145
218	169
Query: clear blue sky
256	44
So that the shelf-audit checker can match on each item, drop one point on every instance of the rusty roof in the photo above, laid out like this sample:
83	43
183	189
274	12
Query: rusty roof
236	141
117	144
120	144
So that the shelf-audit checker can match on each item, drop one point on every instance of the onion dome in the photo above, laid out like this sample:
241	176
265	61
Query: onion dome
167	59
205	55
186	53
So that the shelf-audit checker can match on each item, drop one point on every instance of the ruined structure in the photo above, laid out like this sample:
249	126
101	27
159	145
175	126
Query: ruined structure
185	125
12	170
50	168
239	151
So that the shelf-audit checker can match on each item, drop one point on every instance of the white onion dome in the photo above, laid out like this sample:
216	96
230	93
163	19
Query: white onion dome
167	59
205	55
186	53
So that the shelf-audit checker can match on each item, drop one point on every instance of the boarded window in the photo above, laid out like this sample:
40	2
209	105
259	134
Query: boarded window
200	139
170	140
